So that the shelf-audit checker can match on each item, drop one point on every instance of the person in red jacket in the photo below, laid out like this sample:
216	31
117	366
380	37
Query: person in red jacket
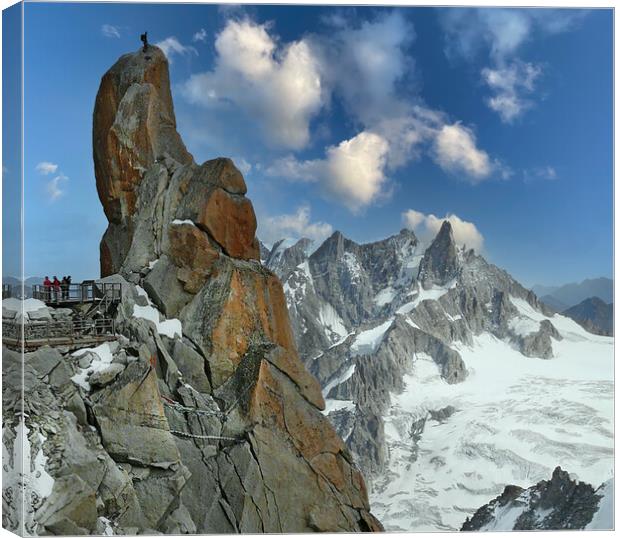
47	288
56	284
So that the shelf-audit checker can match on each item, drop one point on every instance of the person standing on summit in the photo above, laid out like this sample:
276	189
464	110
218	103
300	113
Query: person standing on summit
145	41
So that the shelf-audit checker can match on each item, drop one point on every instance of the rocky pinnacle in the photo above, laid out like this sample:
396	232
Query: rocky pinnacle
440	262
185	232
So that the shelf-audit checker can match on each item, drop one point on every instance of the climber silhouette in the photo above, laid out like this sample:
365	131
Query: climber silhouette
144	40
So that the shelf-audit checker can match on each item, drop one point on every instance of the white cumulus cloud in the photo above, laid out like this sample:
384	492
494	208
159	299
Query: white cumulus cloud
364	63
45	168
426	226
455	150
294	226
109	30
278	85
265	91
353	172
171	47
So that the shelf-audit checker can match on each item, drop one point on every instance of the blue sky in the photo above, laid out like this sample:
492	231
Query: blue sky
363	120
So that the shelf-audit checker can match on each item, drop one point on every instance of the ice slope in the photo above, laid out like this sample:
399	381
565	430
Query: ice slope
517	419
604	518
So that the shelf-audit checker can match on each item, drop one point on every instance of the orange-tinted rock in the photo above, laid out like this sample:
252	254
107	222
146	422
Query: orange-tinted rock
229	339
105	259
255	304
231	222
133	126
223	173
192	252
289	471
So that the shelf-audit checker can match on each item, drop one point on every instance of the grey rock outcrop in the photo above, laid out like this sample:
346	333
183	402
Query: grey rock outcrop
538	344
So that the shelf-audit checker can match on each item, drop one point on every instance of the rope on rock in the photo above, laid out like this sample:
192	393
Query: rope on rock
172	404
205	437
184	409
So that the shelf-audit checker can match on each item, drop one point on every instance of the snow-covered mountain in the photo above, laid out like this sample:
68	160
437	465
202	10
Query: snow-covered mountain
447	379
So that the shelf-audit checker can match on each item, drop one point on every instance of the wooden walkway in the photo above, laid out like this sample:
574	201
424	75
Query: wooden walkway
33	345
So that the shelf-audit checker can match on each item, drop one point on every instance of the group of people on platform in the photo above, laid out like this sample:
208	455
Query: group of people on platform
56	290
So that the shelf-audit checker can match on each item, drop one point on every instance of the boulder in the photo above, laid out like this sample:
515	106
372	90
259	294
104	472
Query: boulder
230	220
104	377
70	509
42	314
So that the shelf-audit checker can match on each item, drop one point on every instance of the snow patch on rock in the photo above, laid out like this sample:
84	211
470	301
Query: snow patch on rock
169	327
368	341
103	354
329	318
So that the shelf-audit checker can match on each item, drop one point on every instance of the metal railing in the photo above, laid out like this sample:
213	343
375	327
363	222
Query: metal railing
86	292
52	332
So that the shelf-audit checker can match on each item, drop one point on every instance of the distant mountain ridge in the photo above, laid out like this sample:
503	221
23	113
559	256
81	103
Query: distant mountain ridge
573	293
594	315
28	283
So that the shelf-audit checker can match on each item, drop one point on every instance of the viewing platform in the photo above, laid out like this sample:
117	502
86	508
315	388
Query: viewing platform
88	291
29	326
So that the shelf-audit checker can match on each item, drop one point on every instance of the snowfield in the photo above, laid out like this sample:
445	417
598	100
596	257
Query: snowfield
29	305
517	419
433	294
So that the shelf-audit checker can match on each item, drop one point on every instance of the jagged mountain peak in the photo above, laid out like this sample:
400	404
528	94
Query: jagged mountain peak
440	264
335	246
287	254
559	503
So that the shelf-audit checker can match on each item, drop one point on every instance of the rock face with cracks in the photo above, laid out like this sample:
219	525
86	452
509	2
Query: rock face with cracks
200	417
